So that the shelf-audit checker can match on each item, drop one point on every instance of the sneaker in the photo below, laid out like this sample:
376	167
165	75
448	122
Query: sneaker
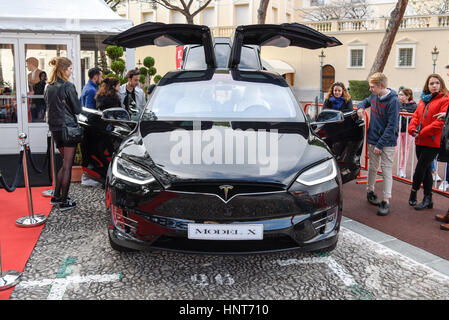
443	186
56	200
372	198
384	209
67	205
402	173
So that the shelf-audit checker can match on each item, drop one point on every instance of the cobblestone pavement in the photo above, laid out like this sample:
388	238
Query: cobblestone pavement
73	260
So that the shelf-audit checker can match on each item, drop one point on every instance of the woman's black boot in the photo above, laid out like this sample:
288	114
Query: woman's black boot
426	203
412	200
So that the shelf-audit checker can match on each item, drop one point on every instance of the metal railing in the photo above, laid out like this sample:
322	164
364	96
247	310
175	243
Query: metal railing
222	31
380	24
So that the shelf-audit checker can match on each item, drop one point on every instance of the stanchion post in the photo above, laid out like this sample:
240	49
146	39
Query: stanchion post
49	192
9	278
32	220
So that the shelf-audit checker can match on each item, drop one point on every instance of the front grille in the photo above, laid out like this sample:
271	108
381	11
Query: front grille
205	207
276	242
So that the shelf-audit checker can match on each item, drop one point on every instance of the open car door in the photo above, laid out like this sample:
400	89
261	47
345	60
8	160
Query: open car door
101	139
161	34
346	142
282	35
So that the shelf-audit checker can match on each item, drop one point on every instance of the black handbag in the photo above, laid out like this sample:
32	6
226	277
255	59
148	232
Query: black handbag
72	135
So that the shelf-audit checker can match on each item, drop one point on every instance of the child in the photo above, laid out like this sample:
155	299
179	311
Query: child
381	138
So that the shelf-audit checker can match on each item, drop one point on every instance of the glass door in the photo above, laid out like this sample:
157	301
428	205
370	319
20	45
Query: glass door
9	91
35	55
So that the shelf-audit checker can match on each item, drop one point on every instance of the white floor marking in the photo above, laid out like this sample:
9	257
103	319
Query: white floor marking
347	279
59	286
202	280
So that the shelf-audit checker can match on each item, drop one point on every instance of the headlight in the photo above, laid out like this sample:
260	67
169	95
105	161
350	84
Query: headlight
128	171
320	173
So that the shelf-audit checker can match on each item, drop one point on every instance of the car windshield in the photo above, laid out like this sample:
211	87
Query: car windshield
224	98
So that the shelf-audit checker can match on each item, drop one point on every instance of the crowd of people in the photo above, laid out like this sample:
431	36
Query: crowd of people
426	127
113	94
386	131
110	94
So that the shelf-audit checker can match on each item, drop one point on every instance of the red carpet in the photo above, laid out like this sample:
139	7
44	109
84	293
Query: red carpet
18	243
418	228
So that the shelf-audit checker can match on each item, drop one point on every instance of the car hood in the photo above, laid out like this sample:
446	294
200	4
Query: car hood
258	152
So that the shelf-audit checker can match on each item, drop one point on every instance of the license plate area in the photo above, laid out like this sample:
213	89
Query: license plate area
199	231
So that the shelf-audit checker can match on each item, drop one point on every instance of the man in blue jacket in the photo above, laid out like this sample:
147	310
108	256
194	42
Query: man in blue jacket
381	138
88	100
91	88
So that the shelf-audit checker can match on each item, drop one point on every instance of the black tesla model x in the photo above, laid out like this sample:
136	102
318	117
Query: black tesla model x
223	159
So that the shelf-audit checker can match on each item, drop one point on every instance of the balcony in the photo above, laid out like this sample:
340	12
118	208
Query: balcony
380	24
225	31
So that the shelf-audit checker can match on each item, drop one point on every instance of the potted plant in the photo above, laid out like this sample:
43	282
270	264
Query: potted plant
77	169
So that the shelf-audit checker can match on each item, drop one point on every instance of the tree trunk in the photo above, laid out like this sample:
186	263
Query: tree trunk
262	11
390	34
189	19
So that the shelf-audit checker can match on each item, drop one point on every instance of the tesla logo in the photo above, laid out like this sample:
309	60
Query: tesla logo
226	189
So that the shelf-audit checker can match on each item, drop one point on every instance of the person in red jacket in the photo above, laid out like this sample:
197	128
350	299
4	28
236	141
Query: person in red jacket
426	128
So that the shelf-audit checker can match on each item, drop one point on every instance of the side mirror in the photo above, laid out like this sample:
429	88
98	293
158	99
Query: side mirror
151	89
115	114
329	116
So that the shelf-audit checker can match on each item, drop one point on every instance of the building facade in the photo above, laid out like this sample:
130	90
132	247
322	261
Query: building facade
410	60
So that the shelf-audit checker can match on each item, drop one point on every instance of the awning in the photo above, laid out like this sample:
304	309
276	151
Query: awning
68	16
278	66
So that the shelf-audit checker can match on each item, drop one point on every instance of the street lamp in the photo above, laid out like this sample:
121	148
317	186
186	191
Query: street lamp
321	56
435	53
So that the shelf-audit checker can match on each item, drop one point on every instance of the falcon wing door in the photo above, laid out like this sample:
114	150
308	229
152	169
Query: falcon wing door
345	139
282	35
161	34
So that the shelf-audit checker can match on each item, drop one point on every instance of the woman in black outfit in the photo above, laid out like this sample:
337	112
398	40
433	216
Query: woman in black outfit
62	107
107	96
338	98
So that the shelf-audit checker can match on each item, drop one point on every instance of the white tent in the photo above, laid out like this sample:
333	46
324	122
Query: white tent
278	66
43	29
68	16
